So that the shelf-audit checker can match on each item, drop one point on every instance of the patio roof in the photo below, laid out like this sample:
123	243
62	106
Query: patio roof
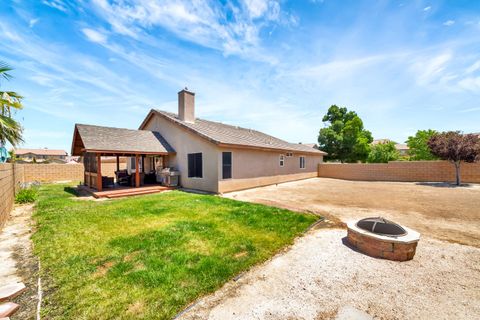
117	141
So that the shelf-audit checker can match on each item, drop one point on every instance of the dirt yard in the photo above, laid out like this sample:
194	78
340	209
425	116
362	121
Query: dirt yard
434	210
321	277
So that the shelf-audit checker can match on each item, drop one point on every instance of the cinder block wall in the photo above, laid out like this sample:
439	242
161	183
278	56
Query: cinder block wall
407	171
52	172
7	191
108	169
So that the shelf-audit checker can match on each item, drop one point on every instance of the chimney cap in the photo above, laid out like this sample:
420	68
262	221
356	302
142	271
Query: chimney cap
187	91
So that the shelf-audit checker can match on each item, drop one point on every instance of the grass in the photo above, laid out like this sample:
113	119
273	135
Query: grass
148	257
27	195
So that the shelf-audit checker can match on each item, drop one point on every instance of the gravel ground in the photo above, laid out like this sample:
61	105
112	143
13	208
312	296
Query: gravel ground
437	210
320	276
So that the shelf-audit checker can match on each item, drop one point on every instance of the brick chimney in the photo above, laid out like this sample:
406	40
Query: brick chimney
186	106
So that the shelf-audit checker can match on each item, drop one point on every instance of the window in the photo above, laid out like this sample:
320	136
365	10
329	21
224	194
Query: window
289	154
302	162
195	166
226	165
282	160
133	164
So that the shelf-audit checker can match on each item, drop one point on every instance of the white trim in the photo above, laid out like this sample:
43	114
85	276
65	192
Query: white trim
281	160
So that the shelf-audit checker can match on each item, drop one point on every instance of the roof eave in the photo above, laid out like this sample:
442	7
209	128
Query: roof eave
128	152
243	146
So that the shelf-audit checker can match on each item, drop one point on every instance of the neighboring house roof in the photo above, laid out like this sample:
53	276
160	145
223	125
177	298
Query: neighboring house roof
379	141
401	146
40	152
228	135
398	146
116	140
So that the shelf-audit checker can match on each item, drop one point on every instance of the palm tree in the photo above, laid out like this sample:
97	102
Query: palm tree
10	130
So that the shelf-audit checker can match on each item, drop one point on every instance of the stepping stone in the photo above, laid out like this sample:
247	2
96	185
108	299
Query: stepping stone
10	291
7	309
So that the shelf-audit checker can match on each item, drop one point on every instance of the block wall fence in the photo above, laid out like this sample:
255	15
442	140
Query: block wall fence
401	171
12	175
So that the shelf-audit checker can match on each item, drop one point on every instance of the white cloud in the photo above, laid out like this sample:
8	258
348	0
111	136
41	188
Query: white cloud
449	23
94	35
429	70
474	67
470	83
57	4
225	27
263	8
32	22
428	8
470	110
8	33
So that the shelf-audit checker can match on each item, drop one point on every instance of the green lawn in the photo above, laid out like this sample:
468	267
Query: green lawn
149	256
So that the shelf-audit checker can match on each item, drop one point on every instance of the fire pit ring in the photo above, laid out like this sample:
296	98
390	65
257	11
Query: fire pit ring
382	238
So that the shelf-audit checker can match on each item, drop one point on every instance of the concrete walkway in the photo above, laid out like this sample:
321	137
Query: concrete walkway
17	261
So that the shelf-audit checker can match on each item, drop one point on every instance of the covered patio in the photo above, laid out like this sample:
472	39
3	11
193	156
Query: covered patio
147	153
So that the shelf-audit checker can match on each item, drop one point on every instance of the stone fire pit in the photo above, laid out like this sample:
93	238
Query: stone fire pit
381	238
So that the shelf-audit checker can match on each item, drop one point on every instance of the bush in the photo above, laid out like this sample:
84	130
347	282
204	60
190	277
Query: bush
27	195
383	152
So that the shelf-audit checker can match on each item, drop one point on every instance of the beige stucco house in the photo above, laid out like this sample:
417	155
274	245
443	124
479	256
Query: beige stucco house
40	155
209	156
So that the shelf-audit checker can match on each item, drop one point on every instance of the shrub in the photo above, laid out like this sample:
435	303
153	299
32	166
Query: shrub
383	152
27	195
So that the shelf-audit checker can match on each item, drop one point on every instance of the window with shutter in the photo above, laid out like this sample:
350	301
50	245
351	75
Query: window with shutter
195	165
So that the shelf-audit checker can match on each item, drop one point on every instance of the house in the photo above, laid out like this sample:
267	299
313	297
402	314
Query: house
402	148
209	156
40	155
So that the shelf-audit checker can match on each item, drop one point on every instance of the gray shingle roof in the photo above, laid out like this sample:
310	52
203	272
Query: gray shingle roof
232	135
117	139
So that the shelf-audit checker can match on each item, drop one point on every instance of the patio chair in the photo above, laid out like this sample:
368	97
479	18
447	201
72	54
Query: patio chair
123	178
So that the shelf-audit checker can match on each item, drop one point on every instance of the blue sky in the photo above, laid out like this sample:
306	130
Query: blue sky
275	66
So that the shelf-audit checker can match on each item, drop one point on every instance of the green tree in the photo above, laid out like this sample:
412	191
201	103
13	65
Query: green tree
383	152
418	145
10	130
345	138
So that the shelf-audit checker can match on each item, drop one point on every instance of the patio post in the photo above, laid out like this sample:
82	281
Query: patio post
118	163
99	172
137	172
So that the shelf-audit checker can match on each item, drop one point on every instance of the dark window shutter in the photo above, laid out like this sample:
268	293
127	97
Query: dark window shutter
199	166
195	169
226	165
191	165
